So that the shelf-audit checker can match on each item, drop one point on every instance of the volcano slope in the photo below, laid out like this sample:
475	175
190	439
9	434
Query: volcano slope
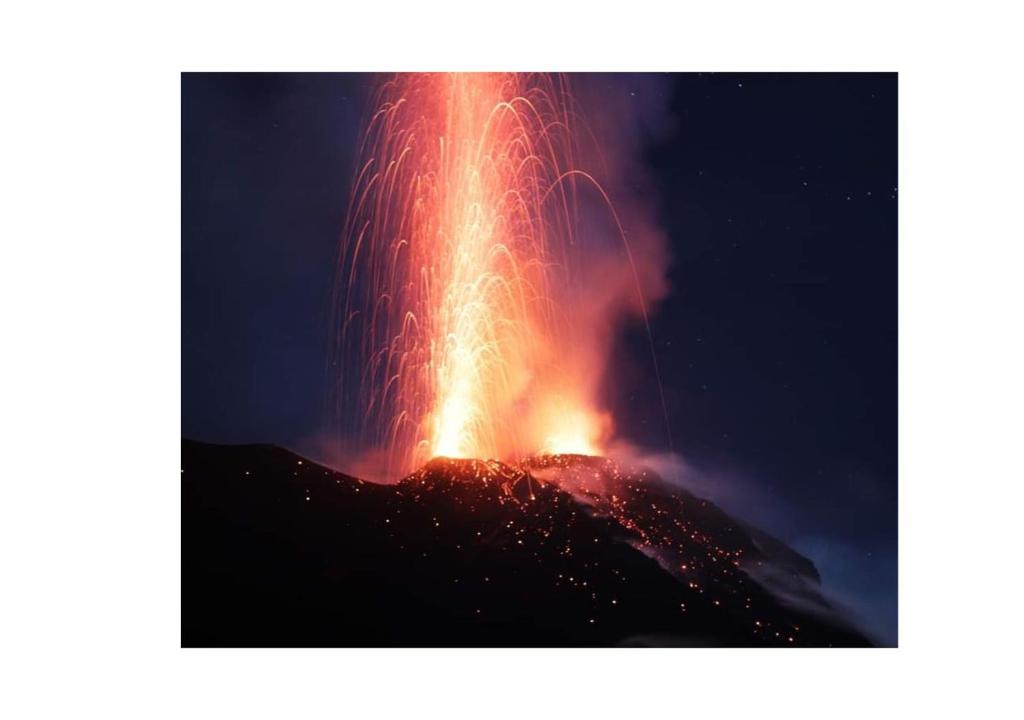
555	551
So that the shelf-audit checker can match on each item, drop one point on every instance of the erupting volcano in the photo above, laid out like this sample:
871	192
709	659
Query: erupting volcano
483	276
466	327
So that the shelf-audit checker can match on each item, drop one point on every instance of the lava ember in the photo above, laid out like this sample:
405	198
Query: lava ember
459	295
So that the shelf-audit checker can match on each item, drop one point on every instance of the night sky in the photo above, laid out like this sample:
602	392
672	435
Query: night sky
777	343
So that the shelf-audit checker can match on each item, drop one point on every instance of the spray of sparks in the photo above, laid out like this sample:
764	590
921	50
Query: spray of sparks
458	273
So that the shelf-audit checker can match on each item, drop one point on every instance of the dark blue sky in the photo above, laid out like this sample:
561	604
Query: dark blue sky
777	343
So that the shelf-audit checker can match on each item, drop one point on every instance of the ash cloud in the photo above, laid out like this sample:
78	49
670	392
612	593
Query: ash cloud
347	455
623	259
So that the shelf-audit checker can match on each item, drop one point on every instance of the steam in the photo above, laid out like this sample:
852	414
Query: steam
849	593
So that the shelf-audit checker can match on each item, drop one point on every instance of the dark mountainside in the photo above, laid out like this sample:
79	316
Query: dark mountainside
557	551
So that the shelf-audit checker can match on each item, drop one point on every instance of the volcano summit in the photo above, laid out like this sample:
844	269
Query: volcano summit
562	550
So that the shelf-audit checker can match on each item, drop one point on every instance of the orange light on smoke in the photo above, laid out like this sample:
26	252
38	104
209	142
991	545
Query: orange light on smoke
458	269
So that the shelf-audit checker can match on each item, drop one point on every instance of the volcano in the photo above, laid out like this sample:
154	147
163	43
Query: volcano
558	550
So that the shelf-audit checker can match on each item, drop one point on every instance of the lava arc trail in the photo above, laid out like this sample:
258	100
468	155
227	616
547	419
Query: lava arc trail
461	319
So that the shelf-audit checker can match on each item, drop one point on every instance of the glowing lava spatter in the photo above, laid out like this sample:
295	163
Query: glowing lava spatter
458	283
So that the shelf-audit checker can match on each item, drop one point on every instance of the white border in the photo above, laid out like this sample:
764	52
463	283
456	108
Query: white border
91	298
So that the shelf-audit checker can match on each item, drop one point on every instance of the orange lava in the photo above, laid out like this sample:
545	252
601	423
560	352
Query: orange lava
457	273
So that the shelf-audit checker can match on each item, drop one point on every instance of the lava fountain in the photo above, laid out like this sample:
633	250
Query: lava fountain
461	318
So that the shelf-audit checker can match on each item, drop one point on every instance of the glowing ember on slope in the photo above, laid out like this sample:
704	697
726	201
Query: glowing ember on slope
717	560
462	298
513	553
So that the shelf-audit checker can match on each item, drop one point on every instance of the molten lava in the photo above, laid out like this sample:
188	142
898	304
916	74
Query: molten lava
460	296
